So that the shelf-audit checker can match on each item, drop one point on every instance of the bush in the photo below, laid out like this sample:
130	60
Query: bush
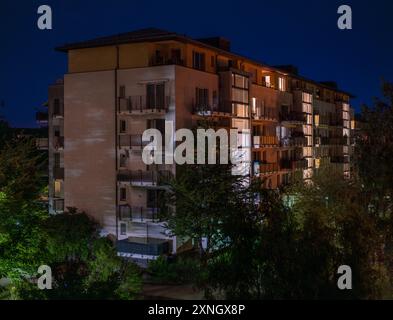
179	270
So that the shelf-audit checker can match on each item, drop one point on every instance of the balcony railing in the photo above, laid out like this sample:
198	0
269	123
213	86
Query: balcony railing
260	141
42	143
293	141
58	205
58	173
160	61
293	164
339	159
138	214
132	141
265	113
41	116
143	104
206	109
145	178
292	117
339	141
336	122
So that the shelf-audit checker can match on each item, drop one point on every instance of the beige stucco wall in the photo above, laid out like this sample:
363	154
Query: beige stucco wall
89	156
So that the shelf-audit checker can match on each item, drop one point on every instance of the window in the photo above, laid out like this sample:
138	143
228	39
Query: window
176	56
57	108
123	160
123	229
123	194
215	98
266	81
57	188
123	126
212	61
198	60
57	159
239	81
152	198
155	95
281	84
122	92
240	110
202	97
240	95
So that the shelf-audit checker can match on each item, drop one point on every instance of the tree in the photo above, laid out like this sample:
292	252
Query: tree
374	151
267	247
21	241
85	265
198	199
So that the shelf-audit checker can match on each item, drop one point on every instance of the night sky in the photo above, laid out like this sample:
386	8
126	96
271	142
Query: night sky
302	33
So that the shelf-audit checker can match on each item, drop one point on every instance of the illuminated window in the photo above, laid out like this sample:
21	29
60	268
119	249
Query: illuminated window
281	84
57	188
316	119
267	81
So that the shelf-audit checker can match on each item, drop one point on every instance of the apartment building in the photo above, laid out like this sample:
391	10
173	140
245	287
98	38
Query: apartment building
118	86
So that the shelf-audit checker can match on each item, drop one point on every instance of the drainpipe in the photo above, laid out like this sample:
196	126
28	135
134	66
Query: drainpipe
116	144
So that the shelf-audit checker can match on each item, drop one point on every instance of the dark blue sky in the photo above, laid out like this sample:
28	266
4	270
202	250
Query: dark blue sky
303	33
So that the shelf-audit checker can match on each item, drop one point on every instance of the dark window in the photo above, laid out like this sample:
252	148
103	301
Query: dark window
123	160
57	159
202	97
123	229
123	126
155	95
176	56
57	108
198	60
122	92
152	198
212	61
159	59
123	194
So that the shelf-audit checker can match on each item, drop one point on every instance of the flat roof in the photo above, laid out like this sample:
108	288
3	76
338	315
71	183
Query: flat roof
154	34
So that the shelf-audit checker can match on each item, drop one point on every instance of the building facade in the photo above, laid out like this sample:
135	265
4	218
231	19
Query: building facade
117	87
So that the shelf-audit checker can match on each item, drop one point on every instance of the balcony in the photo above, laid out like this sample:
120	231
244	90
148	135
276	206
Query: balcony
293	164
265	168
42	143
41	117
204	109
339	159
292	118
58	110
143	104
58	173
338	141
138	214
265	113
162	61
58	143
154	178
58	205
336	122
300	141
264	141
131	141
